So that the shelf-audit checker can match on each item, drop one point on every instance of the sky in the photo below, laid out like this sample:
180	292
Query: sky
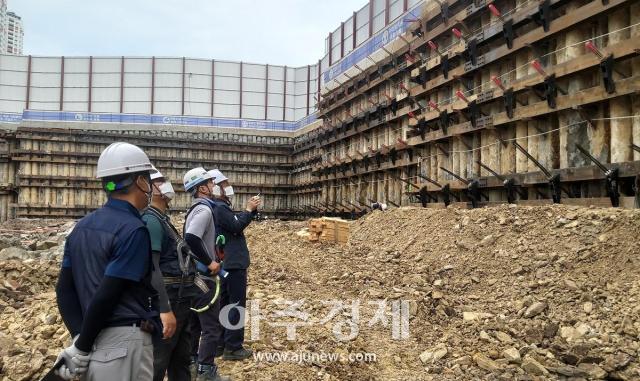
278	32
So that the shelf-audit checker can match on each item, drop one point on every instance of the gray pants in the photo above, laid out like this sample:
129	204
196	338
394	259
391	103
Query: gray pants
121	353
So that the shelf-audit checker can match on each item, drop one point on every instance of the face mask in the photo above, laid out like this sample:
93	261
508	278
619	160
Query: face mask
166	190
217	192
228	191
211	194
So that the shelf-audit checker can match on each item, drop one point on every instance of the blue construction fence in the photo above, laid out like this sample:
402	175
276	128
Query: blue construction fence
166	120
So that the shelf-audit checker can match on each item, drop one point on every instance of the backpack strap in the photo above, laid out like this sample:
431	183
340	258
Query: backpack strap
184	261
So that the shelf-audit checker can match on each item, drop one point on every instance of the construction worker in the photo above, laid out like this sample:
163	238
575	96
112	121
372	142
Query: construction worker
200	234
173	278
104	290
236	262
379	205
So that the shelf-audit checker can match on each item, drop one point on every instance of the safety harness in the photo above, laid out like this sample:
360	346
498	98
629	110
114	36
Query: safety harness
199	279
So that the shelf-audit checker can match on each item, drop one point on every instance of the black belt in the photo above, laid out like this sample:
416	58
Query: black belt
170	280
144	325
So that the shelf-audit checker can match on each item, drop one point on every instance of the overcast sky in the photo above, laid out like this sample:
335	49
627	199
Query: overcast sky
287	32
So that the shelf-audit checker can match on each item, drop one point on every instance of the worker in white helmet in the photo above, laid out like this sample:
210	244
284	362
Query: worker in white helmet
173	278
200	235
104	290
236	262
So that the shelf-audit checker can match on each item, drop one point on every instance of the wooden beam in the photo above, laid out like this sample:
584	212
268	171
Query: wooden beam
558	25
587	96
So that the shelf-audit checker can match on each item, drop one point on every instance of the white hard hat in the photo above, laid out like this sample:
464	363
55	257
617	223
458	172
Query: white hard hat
218	176
156	175
195	177
123	158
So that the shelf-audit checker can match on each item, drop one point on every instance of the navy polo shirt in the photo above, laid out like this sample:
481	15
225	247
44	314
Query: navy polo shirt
112	241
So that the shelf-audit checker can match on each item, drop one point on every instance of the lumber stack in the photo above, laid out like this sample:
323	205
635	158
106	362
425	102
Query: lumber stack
329	229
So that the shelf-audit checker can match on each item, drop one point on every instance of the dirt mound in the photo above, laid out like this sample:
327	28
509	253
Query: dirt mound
540	291
500	293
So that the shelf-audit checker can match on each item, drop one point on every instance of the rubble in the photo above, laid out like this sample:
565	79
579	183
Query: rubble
544	300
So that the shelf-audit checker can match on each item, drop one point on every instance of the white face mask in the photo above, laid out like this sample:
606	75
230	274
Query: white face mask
166	190
228	191
217	192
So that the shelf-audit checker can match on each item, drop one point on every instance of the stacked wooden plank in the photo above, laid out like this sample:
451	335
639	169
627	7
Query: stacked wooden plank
328	229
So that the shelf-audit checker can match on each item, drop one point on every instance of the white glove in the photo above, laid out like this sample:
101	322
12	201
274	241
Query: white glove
75	363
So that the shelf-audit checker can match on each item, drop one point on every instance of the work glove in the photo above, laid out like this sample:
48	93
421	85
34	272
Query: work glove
75	361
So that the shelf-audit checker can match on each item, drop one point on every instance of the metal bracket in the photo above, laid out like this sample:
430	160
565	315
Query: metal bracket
543	17
473	191
444	11
422	127
606	68
472	51
509	102
556	189
394	106
443	121
611	176
423	77
444	65
474	113
446	194
507	32
550	90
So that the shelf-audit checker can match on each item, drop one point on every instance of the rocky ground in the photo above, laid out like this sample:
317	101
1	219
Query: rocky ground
512	293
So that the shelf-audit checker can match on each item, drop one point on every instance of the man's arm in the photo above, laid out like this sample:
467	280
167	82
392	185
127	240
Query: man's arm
156	233
198	248
231	222
102	305
158	284
68	301
198	225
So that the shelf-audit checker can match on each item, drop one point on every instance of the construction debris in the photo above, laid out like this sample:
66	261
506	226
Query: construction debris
329	229
554	296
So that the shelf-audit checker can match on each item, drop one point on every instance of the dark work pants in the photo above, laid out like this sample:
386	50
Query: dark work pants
172	356
206	326
234	291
